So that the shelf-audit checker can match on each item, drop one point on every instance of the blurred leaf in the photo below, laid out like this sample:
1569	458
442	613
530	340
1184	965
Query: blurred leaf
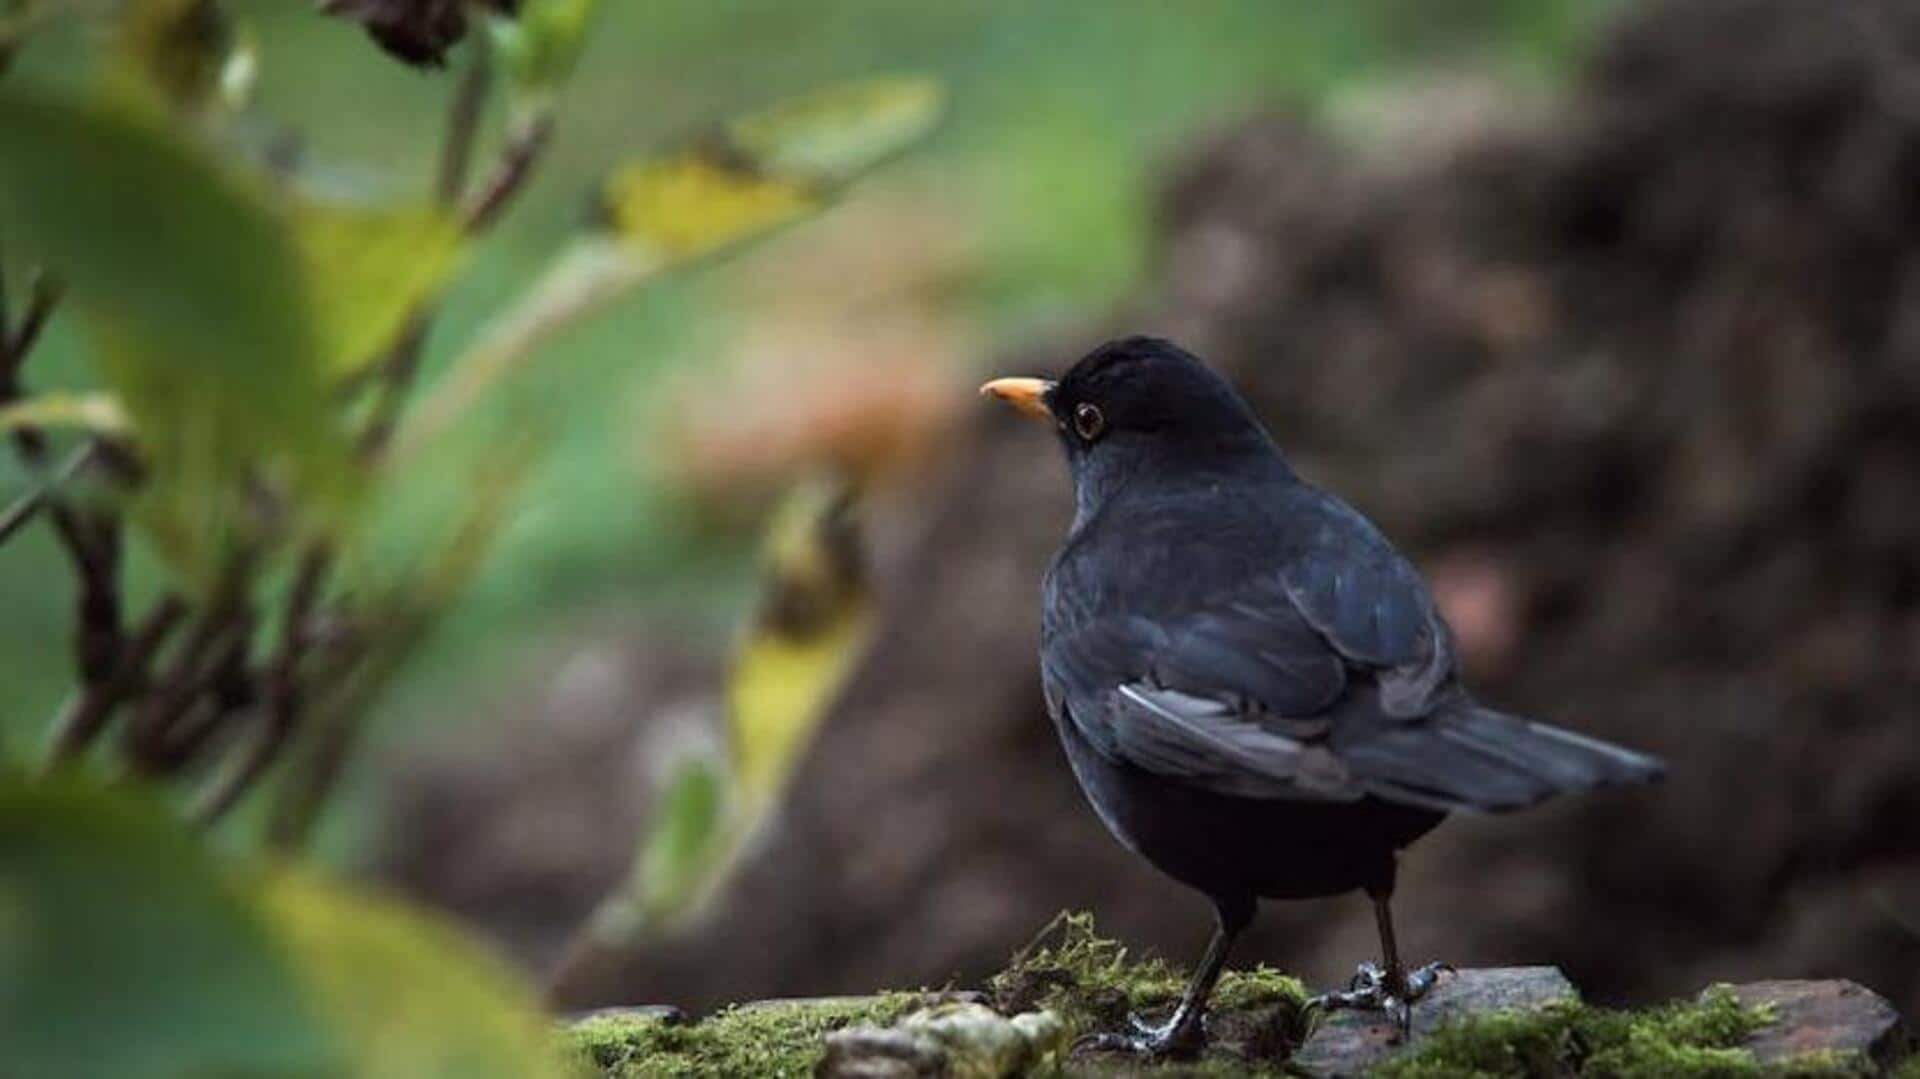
123	951
367	269
412	996
539	46
812	626
189	51
95	412
193	291
693	203
840	132
686	839
748	177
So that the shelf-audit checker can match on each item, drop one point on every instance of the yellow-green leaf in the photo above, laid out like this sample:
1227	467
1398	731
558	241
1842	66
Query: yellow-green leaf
413	997
695	202
367	268
187	50
194	293
741	180
124	951
95	412
813	623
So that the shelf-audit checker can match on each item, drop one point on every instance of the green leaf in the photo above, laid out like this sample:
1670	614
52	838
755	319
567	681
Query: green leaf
193	291
412	996
684	841
95	412
367	269
539	46
124	952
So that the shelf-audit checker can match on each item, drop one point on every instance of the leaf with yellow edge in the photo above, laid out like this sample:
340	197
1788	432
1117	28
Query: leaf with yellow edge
95	412
412	996
812	626
367	269
757	173
696	202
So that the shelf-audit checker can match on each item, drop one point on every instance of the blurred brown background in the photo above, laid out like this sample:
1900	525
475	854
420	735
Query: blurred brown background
1634	375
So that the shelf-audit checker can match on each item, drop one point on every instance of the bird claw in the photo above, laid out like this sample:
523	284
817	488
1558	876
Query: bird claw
1372	989
1178	1036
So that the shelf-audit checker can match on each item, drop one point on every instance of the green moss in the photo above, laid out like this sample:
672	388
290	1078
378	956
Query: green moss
1698	1040
774	1039
1093	983
1908	1069
1239	989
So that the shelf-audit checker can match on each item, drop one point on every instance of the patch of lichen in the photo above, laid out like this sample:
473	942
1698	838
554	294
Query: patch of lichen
1697	1040
771	1039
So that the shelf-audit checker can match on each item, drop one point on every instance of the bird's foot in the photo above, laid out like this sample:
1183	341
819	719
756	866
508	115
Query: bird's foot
1373	989
1182	1035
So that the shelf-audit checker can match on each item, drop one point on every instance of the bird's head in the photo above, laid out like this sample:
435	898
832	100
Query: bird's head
1138	404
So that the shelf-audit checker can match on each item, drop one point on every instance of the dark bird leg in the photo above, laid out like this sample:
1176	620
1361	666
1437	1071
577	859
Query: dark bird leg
1393	990
1186	1031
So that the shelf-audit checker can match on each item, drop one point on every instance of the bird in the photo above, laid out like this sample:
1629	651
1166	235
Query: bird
1253	687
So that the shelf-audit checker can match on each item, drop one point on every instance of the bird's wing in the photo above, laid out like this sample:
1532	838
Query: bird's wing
1232	699
1374	611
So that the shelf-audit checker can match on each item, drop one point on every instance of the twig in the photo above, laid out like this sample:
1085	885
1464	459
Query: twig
396	381
27	506
86	715
43	295
516	164
172	692
281	695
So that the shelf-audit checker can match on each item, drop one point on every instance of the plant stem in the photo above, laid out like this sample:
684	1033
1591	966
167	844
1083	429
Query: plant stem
516	165
282	694
86	715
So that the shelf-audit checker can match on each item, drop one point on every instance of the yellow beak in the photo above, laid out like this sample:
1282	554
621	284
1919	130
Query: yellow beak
1029	395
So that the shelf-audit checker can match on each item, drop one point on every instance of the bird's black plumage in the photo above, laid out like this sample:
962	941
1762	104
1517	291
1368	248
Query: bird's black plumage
1252	685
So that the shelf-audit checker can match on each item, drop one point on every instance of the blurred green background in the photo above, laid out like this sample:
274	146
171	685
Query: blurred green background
1059	116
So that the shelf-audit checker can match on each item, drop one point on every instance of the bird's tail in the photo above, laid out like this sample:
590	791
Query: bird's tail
1470	757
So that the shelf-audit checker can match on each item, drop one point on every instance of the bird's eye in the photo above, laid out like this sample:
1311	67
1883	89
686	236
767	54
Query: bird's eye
1088	421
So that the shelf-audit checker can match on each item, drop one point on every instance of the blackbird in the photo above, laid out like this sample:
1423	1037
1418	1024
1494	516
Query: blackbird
1252	685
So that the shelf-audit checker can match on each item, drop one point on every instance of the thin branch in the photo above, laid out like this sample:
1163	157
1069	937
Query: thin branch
397	375
173	691
43	295
87	714
516	165
282	695
25	508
